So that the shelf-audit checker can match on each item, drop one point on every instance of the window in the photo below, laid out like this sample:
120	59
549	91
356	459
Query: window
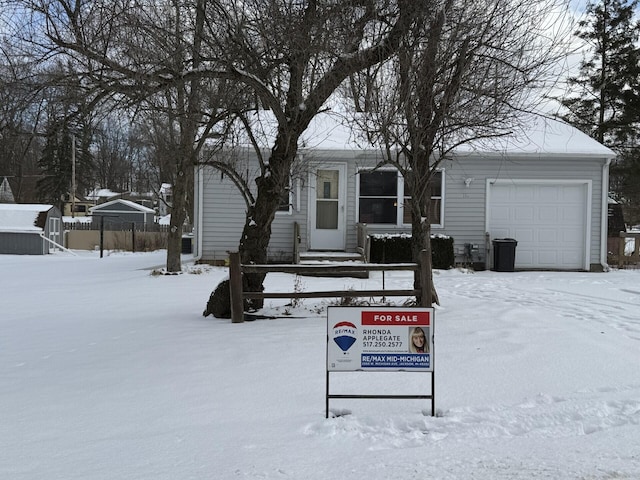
378	197
381	198
286	205
435	185
285	202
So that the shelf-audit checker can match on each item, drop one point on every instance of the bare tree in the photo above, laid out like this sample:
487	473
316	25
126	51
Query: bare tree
147	55
21	107
464	74
294	55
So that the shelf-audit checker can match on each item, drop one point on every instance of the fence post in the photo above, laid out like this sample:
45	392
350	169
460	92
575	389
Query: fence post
425	280
133	237
235	288
622	242
101	235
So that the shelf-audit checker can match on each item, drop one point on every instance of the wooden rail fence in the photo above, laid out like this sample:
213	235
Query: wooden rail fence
237	293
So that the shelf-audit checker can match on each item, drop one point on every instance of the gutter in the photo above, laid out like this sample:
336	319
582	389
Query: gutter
200	200
604	221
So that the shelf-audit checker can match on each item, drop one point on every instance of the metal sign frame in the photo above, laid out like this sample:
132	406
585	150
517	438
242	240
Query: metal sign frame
380	339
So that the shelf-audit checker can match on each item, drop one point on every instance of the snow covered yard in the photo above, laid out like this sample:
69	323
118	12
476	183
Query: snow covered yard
110	372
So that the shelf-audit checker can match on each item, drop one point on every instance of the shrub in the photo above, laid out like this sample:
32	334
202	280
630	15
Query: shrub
397	249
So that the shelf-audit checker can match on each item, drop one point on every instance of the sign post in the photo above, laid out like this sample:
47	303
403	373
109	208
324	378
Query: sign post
380	339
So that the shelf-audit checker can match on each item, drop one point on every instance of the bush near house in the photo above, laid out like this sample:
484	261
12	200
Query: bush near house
396	248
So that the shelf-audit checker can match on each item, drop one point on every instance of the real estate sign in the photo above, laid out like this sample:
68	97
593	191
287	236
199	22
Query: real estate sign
379	339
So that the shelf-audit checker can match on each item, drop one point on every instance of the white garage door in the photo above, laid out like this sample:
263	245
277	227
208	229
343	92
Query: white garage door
549	221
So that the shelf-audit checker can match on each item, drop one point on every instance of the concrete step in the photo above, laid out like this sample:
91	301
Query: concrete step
324	258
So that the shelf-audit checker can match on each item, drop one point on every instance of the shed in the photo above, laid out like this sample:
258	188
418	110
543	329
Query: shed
29	229
122	212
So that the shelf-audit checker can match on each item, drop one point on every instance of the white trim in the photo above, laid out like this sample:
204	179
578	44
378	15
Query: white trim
604	221
57	245
200	203
588	209
399	198
343	191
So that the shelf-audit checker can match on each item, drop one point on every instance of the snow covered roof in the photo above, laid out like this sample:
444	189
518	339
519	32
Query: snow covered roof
129	203
541	136
23	217
101	193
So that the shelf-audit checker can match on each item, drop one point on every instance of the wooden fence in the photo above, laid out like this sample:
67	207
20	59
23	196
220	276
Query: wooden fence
237	293
623	258
123	227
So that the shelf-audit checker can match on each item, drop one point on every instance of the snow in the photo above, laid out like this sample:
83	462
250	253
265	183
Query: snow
21	218
542	136
109	371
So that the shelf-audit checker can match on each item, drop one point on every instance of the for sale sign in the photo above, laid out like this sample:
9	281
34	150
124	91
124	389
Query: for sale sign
383	338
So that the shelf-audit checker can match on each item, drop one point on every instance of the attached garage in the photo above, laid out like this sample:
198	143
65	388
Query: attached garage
550	220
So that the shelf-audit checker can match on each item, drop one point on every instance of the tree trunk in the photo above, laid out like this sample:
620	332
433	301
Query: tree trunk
418	182
256	234
178	209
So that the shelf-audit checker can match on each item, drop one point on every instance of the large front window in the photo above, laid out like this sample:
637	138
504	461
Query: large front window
382	199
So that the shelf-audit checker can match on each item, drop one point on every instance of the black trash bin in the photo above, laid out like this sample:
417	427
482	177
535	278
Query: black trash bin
187	244
504	254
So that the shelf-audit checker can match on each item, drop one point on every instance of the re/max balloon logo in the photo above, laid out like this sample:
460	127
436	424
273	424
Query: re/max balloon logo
344	334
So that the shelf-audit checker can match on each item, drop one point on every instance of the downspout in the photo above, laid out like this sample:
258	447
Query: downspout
200	179
605	215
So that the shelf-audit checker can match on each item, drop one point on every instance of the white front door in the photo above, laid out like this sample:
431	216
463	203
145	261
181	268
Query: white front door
327	217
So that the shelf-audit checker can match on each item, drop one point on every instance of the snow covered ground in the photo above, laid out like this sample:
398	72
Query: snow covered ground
110	372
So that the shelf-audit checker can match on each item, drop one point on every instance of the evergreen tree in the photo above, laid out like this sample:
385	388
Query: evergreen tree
68	120
606	105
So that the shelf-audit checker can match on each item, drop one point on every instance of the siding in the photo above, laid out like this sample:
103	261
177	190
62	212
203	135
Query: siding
465	207
464	216
22	243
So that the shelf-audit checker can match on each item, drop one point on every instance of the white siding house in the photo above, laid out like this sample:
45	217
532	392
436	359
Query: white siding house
546	189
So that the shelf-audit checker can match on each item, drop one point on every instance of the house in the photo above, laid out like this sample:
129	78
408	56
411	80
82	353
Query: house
547	189
29	229
76	206
121	213
165	199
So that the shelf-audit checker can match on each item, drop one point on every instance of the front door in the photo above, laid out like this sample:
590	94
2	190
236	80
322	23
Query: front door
327	207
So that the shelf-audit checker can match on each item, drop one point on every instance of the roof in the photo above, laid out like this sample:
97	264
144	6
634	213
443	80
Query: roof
537	135
542	136
129	203
23	217
101	193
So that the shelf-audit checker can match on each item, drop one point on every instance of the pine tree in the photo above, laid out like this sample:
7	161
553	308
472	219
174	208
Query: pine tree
607	101
55	164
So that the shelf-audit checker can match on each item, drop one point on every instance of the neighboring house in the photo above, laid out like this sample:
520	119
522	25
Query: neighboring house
101	195
547	189
165	199
76	207
28	229
122	213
